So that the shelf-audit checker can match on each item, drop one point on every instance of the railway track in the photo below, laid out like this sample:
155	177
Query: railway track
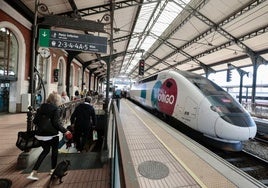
261	137
245	161
248	163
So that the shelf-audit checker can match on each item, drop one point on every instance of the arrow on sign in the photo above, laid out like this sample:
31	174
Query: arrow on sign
44	34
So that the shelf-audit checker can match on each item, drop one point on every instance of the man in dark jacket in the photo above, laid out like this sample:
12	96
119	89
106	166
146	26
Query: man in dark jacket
83	120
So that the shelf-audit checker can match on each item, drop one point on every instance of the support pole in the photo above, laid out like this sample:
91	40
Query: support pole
105	144
33	63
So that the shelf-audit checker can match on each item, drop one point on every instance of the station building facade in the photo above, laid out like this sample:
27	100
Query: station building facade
15	64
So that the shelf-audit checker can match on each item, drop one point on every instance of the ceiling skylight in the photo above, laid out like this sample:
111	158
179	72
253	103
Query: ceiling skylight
152	22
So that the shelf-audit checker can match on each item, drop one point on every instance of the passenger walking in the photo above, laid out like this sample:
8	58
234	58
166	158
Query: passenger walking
83	120
76	95
48	122
64	97
38	99
117	97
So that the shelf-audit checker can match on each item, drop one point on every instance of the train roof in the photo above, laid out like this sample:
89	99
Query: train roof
186	74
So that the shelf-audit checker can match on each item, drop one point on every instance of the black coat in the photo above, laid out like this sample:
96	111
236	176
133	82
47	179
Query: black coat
47	120
83	118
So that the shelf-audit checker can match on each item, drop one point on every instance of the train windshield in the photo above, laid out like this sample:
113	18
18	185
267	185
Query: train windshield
221	101
219	98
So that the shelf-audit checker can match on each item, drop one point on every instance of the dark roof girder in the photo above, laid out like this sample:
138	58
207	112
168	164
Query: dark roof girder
226	34
106	7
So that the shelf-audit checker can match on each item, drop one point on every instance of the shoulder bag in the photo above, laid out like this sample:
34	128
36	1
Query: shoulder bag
26	140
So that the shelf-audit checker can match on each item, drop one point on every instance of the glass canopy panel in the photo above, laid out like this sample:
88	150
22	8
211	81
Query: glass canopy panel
155	22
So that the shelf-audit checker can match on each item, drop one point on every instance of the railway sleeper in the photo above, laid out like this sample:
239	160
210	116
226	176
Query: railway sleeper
264	181
234	159
251	168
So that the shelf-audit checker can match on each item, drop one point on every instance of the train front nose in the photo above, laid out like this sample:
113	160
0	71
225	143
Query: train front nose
235	127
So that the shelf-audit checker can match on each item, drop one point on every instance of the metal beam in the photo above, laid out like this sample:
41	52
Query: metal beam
131	32
209	31
237	58
223	32
73	23
230	43
174	30
73	5
105	8
153	19
19	6
226	21
106	58
127	37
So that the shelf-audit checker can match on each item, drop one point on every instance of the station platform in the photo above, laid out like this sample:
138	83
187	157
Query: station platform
161	156
78	176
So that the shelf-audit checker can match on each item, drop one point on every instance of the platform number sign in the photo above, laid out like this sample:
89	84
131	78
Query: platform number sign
72	41
141	67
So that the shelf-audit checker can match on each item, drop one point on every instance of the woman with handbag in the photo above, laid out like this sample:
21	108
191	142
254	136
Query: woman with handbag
48	124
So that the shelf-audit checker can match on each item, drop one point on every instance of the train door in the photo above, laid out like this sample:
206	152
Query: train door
4	96
190	113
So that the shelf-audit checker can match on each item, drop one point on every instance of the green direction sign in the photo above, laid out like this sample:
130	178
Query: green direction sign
72	41
44	35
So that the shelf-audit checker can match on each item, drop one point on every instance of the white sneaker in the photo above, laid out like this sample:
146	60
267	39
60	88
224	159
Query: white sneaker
33	176
51	171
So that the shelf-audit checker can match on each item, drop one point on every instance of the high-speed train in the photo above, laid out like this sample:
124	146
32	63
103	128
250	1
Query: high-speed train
198	103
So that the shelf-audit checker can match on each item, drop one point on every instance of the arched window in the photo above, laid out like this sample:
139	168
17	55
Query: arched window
61	73
8	54
86	80
79	80
42	67
71	76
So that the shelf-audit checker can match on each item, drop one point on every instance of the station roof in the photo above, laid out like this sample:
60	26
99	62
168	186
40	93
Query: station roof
201	36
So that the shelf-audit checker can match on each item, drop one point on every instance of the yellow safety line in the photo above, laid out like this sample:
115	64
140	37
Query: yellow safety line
172	153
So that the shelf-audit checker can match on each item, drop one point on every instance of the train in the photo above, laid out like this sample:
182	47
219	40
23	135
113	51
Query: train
197	103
